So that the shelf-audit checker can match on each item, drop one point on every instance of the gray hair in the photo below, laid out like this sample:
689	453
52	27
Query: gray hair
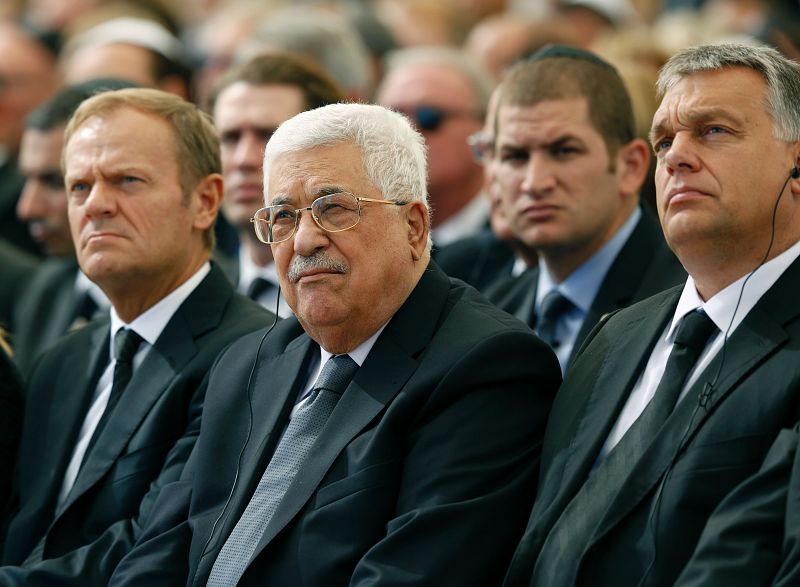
781	75
452	57
327	39
393	152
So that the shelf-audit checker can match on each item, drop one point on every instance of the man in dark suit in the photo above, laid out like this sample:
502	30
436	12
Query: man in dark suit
418	473
570	168
101	435
248	103
675	400
28	77
753	537
59	296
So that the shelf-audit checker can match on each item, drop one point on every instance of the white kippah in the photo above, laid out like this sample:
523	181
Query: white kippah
132	31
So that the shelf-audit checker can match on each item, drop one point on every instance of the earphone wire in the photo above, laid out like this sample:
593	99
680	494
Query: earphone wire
249	427
708	389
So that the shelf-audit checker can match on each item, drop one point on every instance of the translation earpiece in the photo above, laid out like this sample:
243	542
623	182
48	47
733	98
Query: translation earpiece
795	173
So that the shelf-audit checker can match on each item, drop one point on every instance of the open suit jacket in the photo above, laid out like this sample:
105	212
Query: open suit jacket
753	537
418	478
643	267
144	444
713	440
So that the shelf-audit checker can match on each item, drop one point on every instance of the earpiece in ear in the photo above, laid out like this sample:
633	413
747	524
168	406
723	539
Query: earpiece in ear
795	173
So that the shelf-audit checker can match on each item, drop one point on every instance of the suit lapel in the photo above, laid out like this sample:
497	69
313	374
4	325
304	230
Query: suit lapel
162	363
621	284
80	367
389	365
610	385
759	336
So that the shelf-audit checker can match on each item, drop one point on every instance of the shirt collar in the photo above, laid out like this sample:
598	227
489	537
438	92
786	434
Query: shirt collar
721	307
248	271
152	321
581	286
466	222
358	354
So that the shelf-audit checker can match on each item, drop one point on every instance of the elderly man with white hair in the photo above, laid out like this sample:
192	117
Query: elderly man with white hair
380	434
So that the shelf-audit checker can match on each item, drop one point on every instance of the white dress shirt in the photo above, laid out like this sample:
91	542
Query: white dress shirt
468	221
359	355
149	326
249	271
723	311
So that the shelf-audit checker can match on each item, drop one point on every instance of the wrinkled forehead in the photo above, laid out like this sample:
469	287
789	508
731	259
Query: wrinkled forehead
299	177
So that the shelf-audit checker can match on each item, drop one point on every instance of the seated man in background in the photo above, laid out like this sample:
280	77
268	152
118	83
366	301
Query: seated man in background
570	168
113	409
248	103
382	433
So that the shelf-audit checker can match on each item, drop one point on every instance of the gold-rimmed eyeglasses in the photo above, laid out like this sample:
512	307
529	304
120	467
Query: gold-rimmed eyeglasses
332	213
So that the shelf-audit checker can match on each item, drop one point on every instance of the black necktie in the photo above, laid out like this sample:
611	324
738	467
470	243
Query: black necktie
257	287
554	306
126	343
568	539
290	454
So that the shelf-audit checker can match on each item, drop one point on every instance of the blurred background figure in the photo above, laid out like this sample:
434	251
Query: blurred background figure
248	104
27	78
445	94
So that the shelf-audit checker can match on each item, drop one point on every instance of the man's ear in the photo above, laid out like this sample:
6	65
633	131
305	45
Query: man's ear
633	160
207	197
418	228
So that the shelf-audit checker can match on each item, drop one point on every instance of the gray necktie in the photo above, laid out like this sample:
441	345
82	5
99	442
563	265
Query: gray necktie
554	306
290	454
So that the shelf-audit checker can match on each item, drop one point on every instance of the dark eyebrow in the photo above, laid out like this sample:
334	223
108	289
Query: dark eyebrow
280	201
327	190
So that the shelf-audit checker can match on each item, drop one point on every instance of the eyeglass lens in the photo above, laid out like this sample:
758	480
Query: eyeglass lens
334	213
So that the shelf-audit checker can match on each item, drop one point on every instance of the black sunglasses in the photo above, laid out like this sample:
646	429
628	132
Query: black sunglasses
429	118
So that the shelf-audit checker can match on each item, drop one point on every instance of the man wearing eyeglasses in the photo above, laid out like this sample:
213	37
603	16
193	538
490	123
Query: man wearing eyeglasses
445	95
570	168
381	434
248	104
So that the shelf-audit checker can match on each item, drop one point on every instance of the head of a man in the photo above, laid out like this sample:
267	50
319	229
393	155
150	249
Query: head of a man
349	264
727	140
142	173
569	165
248	103
135	49
445	94
43	202
27	78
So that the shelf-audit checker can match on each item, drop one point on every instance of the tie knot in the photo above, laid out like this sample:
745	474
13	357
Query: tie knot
695	330
257	287
336	374
126	343
554	305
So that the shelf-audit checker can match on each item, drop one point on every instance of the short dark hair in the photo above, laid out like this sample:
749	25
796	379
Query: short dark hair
318	87
59	109
572	73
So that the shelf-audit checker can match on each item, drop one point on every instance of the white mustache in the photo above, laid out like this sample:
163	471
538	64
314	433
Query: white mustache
319	260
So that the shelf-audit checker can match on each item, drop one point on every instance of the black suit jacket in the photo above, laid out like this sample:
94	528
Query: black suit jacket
753	537
45	309
480	260
652	526
144	445
12	228
16	268
643	267
420	474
